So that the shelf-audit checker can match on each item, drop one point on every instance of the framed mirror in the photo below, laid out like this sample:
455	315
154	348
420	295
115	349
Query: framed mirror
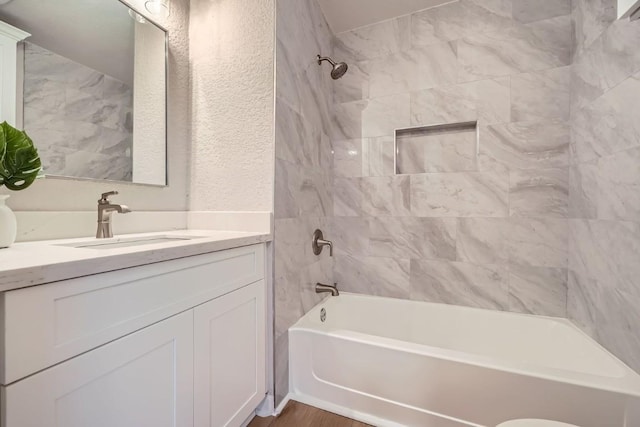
93	75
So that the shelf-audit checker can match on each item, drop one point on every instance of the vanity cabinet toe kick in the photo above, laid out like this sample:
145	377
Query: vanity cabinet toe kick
177	343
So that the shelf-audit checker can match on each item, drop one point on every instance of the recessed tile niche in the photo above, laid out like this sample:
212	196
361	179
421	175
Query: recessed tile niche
451	147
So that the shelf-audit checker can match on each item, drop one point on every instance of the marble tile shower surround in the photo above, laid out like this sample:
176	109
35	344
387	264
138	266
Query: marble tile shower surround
486	229
304	168
546	220
80	119
604	179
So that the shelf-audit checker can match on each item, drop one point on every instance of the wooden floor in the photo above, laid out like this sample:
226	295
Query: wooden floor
298	415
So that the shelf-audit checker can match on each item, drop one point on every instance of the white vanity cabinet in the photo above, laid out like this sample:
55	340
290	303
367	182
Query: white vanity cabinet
179	343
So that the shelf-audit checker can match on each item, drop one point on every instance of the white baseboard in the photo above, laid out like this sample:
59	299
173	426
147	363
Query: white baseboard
266	407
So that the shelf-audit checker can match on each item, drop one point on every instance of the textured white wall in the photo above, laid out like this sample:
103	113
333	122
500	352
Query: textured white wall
69	195
232	60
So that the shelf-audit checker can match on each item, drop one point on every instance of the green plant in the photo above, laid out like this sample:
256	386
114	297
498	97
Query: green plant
19	159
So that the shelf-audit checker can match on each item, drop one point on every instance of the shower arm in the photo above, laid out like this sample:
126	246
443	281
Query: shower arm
325	58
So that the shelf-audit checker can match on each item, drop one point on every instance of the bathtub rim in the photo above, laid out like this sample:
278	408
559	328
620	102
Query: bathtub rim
627	384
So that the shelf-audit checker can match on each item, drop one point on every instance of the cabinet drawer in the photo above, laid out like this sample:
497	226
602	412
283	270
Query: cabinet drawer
47	324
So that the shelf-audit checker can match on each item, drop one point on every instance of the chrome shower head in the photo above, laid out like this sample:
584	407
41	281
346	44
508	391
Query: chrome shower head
339	68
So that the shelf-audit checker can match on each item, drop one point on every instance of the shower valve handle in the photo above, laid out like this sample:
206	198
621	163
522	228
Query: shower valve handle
318	243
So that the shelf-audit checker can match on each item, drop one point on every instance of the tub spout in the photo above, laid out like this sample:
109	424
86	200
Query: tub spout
321	288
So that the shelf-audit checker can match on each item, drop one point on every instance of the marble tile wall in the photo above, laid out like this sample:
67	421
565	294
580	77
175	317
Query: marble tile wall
80	119
485	229
542	219
425	150
304	168
604	179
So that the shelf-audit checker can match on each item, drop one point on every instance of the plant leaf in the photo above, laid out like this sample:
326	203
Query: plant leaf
21	163
3	145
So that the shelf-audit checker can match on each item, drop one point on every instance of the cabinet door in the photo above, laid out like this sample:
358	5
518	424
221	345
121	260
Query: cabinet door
142	380
230	357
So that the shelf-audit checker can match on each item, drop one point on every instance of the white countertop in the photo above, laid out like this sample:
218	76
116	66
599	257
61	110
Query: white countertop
36	263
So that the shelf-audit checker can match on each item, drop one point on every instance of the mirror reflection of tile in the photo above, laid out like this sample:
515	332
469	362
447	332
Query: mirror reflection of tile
81	118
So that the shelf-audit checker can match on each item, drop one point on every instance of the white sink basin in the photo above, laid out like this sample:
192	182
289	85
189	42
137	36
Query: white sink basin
127	242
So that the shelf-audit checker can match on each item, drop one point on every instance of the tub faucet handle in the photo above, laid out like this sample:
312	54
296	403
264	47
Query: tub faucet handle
318	243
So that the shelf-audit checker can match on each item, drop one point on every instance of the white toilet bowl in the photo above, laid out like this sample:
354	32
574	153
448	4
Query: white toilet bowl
534	423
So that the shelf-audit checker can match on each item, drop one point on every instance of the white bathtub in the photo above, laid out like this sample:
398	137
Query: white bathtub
394	362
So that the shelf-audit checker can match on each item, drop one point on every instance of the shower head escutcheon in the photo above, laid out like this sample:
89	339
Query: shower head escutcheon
339	68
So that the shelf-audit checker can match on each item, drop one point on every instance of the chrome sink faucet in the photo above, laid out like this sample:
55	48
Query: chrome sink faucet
105	209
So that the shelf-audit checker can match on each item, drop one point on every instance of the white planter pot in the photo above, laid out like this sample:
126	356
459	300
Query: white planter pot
8	224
